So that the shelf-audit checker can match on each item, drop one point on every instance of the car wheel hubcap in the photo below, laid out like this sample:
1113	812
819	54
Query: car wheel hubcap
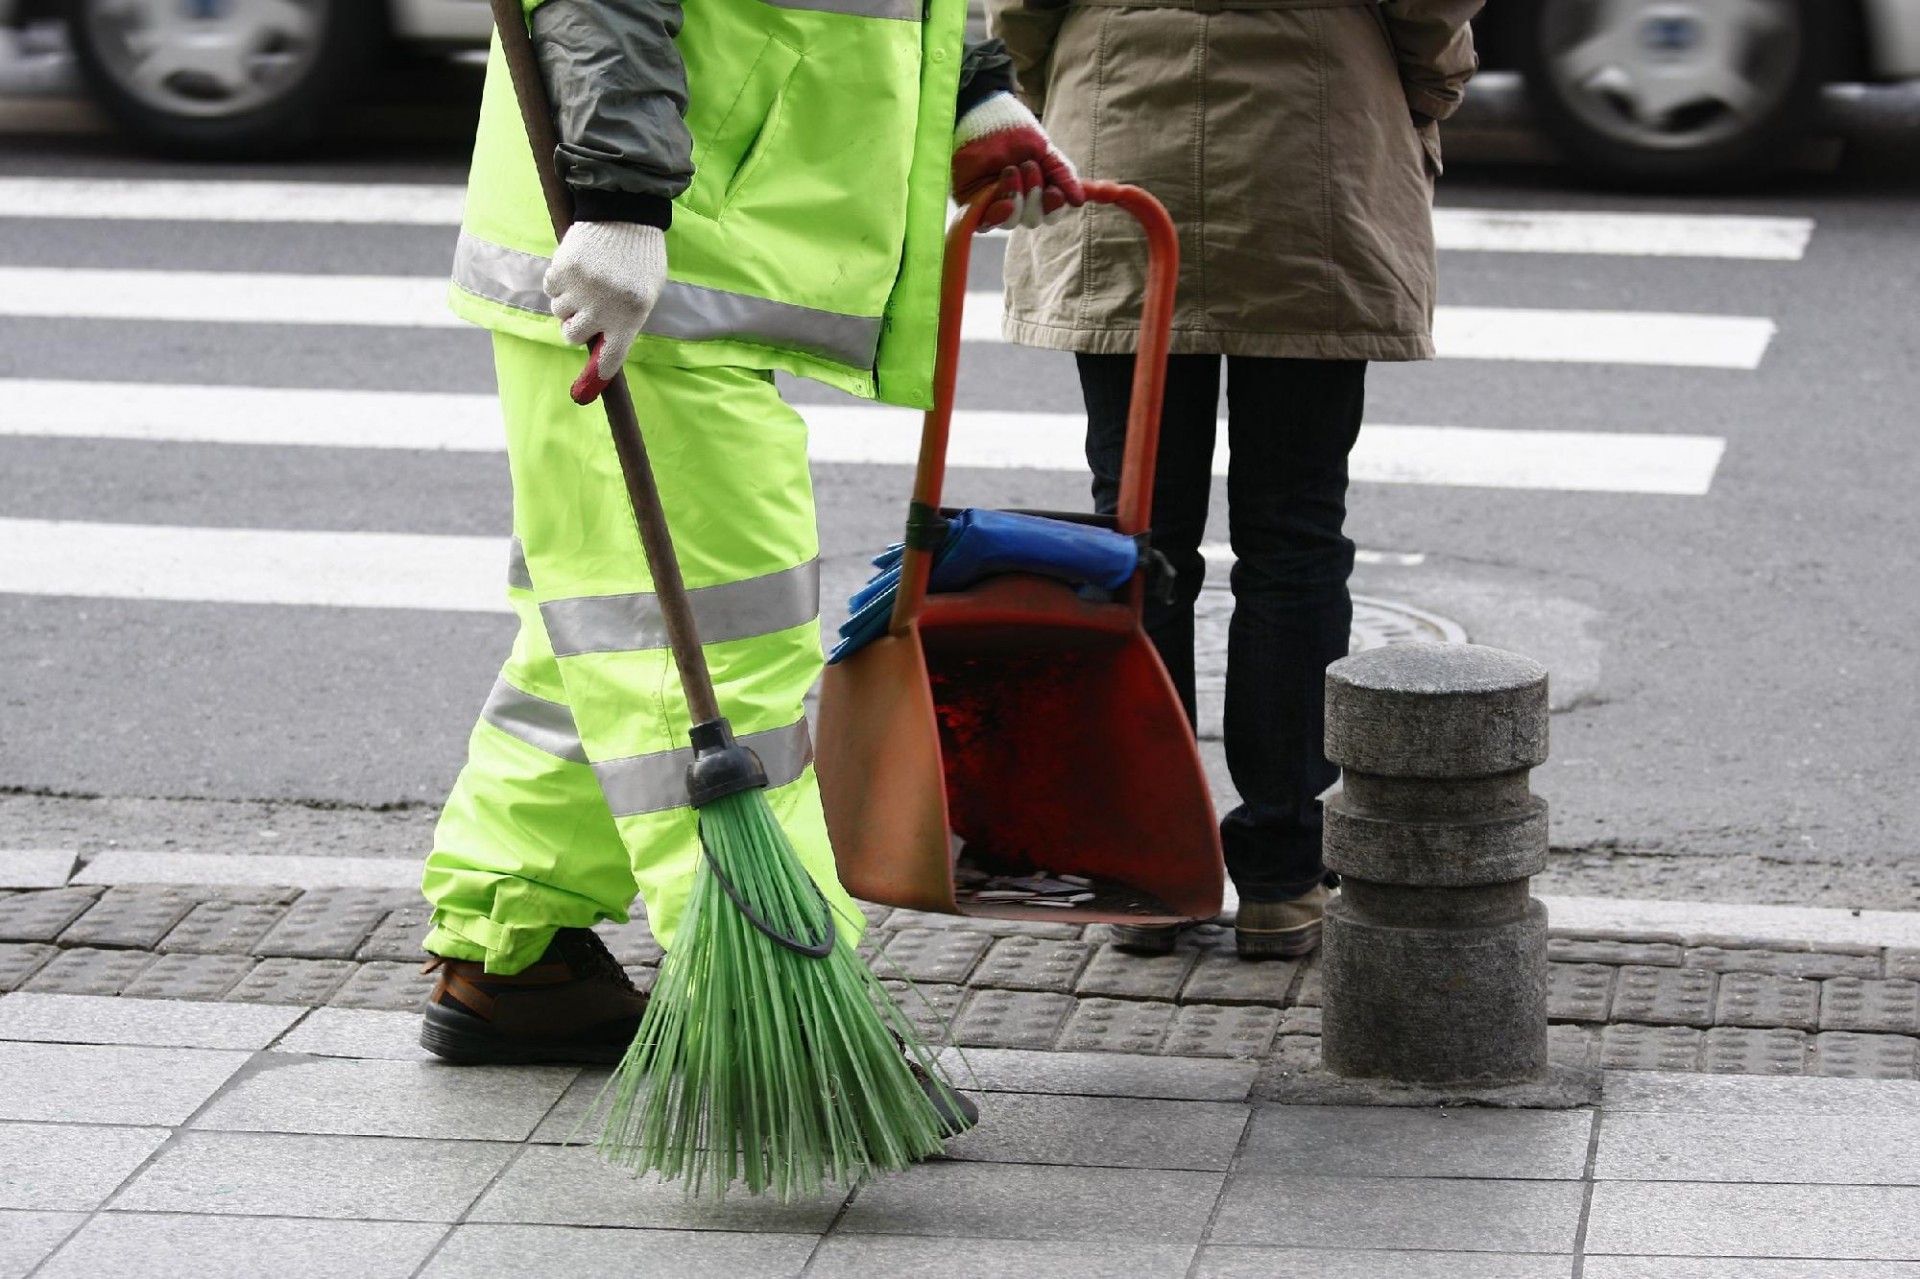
207	58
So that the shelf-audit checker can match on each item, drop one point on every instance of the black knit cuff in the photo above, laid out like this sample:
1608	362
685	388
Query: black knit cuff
591	204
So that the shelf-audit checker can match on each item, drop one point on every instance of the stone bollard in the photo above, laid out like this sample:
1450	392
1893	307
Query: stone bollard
1435	951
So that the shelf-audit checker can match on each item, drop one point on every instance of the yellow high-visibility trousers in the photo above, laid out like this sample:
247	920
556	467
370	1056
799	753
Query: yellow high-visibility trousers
573	799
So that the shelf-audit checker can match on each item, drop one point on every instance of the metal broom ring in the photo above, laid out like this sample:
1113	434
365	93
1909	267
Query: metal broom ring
810	950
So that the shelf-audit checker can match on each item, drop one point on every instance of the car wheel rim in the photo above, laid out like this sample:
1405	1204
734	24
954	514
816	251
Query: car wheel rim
207	59
1673	75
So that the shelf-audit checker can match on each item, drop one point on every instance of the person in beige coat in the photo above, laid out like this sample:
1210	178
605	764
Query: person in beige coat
1296	144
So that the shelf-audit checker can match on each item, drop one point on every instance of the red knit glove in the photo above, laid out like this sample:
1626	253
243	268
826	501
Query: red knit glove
999	143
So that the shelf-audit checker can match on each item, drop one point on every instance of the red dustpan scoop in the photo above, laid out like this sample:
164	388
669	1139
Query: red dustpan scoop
1026	726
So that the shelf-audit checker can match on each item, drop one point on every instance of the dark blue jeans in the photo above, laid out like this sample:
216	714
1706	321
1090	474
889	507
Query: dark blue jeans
1290	426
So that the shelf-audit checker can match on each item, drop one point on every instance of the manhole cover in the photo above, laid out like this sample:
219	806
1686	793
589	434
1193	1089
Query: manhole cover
1376	624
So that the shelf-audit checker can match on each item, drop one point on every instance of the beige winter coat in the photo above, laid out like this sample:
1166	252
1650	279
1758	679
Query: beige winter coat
1280	136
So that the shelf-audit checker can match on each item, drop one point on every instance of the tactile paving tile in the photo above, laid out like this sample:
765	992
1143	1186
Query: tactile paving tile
931	1007
1116	1025
291	981
1850	1056
990	927
1733	1050
223	928
394	987
1783	963
129	917
396	939
1012	1019
89	972
936	955
1300	1021
1664	996
1311	985
1579	992
1220	976
21	961
632	943
1873	1007
1577	1046
1218	1030
1903	964
42	916
327	923
877	915
1591	950
1031	963
1762	999
1118	975
1629	1047
183	976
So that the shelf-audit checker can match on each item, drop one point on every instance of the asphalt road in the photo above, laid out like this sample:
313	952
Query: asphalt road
1735	670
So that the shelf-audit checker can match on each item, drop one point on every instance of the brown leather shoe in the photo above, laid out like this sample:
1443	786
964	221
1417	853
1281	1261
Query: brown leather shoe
574	1004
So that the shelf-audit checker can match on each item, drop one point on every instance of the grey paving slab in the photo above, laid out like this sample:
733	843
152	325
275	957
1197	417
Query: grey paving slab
27	1237
306	982
1664	996
865	1256
1361	1141
1732	1050
1882	1150
109	1083
1743	1268
69	1167
397	937
1116	1025
1220	976
184	976
1100	1074
296	1175
580	1114
1032	963
631	1254
130	916
1764	999
932	1007
36	867
90	972
164	1023
632	943
574	1186
1631	1047
874	913
1601	950
1871	1007
1300	1021
1579	992
932	955
357	1032
987	927
1401	1212
1848	1055
388	987
1681	1219
1312	985
1903	963
21	960
1011	1019
1104	1132
1117	975
327	923
1216	1030
223	927
973	1200
42	916
1812	965
389	1099
1329	1263
242	1248
1674	1094
1566	1045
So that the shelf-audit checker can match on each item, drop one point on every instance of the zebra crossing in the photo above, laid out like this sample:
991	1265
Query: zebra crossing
371	569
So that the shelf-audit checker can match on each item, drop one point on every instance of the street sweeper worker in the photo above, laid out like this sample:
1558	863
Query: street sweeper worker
758	186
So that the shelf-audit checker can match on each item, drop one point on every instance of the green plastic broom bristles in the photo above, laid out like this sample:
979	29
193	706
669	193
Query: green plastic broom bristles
757	1066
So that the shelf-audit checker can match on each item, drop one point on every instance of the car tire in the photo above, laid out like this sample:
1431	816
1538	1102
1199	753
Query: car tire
284	115
1702	144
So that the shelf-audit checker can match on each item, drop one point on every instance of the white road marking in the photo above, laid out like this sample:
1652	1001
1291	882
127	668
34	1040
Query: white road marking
403	204
1659	235
856	434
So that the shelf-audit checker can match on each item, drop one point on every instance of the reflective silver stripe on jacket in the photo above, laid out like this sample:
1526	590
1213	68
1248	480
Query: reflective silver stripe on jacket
517	576
737	610
541	724
903	10
689	312
655	783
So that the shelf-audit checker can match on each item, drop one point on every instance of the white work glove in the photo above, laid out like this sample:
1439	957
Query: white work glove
604	280
999	143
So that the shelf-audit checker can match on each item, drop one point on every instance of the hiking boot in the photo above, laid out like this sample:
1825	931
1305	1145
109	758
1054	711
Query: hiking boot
1281	930
574	1004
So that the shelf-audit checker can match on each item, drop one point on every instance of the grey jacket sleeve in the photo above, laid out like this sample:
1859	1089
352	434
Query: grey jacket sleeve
619	92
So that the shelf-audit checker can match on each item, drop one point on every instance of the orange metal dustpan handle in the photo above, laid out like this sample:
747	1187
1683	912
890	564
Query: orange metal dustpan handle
924	529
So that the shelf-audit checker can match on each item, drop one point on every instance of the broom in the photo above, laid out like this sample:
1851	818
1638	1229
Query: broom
769	1055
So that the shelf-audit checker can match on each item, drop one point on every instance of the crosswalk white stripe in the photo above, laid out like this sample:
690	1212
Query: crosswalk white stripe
439	204
1483	333
857	434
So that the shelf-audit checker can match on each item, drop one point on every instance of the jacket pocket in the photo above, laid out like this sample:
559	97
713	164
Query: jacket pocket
728	130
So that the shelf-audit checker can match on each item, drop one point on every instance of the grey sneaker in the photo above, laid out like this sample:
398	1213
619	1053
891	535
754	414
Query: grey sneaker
1281	930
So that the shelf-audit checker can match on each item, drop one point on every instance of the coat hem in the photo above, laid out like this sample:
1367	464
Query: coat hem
1278	346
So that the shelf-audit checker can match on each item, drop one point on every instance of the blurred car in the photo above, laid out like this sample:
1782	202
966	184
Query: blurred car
1661	92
